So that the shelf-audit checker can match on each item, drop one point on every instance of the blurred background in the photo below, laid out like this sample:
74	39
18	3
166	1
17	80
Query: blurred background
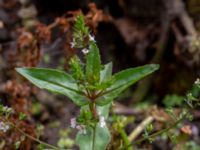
128	32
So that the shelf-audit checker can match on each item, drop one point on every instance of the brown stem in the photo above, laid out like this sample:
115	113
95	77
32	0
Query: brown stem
93	110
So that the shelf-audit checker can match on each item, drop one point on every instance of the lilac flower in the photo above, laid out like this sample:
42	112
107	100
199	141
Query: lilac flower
73	122
77	126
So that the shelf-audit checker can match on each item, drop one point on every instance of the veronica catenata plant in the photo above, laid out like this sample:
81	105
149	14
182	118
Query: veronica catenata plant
90	85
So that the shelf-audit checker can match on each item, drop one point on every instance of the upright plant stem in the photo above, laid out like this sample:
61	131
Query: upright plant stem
93	110
94	113
93	139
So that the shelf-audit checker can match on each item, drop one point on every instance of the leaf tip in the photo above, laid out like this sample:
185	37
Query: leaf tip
155	66
19	70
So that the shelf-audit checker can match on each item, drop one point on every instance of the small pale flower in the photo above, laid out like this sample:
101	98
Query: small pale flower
91	38
102	122
99	113
81	128
7	127
4	127
85	51
197	81
83	131
72	44
77	126
73	122
7	109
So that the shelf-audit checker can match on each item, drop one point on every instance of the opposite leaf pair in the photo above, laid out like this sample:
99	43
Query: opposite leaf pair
90	86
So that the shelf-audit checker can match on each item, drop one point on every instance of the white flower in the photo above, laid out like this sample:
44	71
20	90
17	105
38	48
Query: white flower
72	44
91	38
73	122
7	109
81	128
197	81
83	131
85	51
102	122
4	127
99	112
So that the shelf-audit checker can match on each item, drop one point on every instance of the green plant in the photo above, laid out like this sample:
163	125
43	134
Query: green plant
89	85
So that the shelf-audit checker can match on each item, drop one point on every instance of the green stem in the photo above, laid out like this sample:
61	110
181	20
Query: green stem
162	131
93	139
125	138
94	113
33	138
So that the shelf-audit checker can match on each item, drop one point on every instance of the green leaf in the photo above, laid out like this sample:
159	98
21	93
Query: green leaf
101	139
93	63
22	116
106	73
54	81
123	80
104	110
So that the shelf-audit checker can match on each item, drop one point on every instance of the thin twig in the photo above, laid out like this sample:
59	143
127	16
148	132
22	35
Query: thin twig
33	138
162	131
140	128
125	138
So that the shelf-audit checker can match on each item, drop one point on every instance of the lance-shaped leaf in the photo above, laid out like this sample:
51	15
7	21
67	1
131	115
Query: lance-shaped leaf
54	81
93	63
106	73
97	139
123	80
